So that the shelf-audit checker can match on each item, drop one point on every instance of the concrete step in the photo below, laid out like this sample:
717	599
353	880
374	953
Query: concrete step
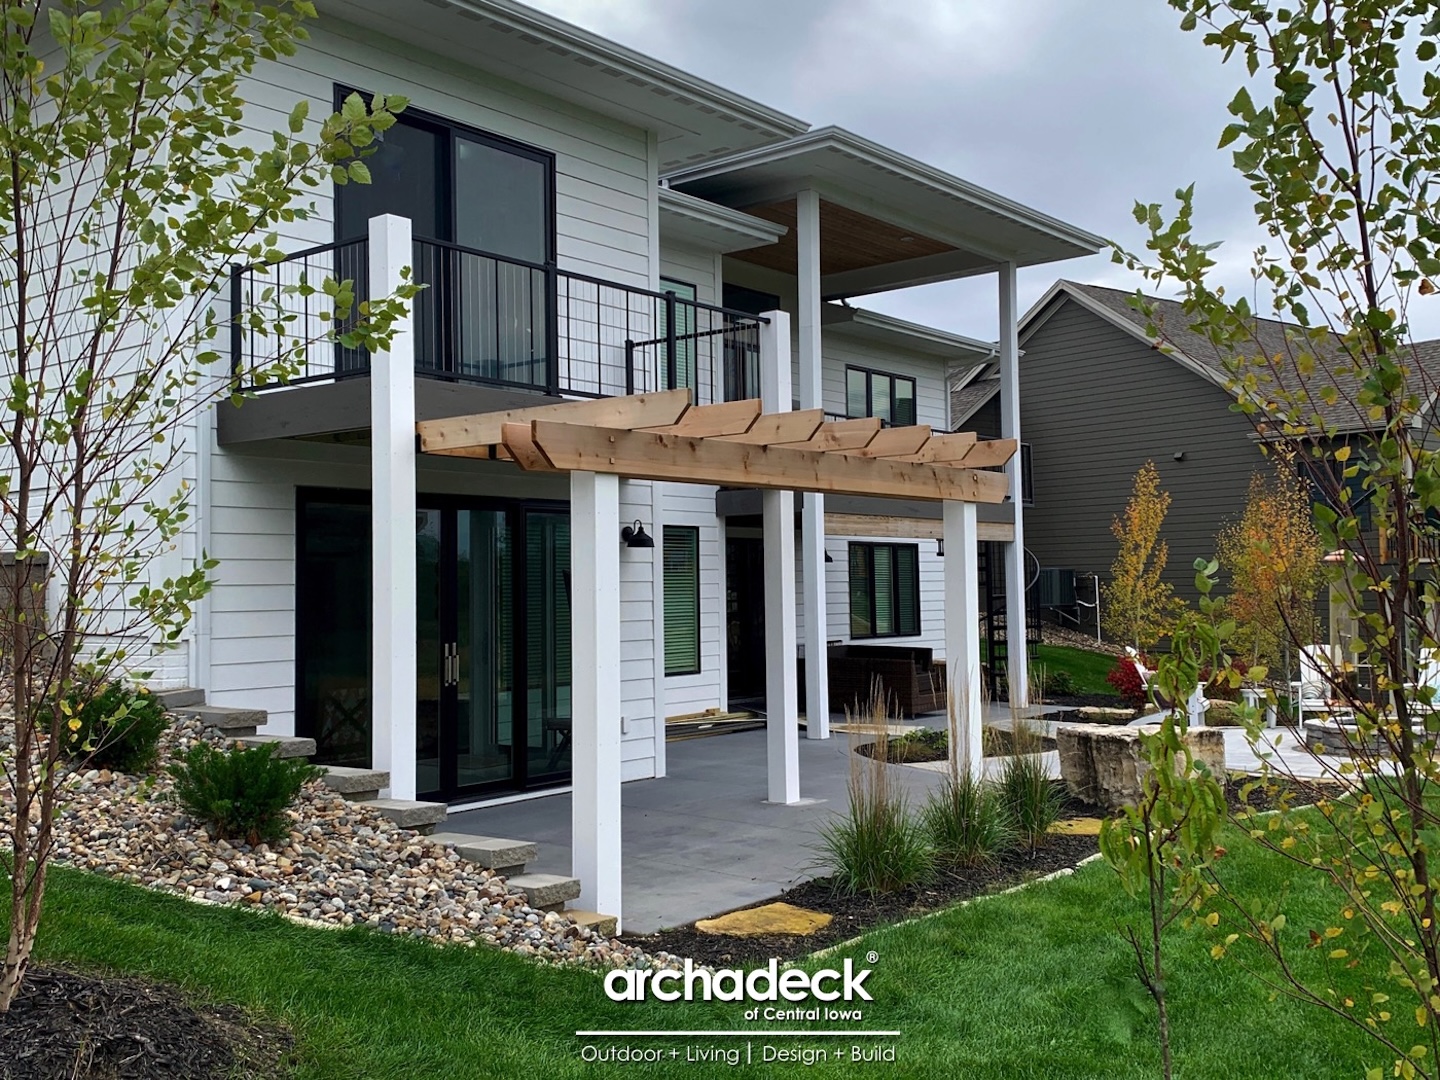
408	814
504	857
356	785
604	925
236	722
175	699
545	892
287	746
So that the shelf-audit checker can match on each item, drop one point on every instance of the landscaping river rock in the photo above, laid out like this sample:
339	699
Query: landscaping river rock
342	865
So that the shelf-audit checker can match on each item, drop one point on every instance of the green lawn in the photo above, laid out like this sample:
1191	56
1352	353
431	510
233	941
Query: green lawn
1009	987
1088	669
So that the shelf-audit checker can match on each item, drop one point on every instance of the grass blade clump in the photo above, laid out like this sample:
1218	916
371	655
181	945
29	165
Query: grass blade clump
966	822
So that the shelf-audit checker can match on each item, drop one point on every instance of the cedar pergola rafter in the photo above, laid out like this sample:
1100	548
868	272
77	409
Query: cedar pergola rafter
661	436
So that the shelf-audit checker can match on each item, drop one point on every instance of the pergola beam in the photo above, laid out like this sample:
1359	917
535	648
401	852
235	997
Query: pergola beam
840	435
773	429
895	442
658	456
472	436
705	421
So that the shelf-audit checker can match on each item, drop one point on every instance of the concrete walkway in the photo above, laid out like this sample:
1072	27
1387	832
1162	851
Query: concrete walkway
702	840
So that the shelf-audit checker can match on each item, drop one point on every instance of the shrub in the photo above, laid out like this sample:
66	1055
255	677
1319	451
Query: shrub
1125	678
966	822
1058	683
1030	800
1221	689
116	728
242	793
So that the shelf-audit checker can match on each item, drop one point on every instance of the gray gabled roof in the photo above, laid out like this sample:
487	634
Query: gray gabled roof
1199	355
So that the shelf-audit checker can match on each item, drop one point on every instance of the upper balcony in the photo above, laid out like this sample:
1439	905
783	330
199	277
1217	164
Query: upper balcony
490	333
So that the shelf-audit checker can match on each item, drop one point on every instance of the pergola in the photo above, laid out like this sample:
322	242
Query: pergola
661	436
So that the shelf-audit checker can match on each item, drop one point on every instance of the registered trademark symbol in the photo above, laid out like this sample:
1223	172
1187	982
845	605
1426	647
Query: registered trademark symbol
871	957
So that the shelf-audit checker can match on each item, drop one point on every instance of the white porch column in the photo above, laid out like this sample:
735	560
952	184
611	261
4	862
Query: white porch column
812	512
595	689
782	724
1017	657
392	521
962	636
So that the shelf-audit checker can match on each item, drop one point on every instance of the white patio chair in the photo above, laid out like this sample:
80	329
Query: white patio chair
1195	708
1313	694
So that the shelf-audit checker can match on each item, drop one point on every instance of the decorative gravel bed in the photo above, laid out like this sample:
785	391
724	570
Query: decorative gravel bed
343	865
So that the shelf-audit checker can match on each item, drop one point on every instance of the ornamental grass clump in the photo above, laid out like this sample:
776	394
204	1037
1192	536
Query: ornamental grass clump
117	727
878	847
240	794
966	822
1029	798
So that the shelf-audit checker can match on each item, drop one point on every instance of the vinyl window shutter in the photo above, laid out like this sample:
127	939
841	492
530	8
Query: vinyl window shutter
907	589
682	600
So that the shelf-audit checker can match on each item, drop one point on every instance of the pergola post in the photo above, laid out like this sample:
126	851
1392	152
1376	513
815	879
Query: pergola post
782	723
1017	657
392	521
962	636
812	512
595	689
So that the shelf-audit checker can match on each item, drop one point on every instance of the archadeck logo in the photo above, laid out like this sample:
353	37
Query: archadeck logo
731	984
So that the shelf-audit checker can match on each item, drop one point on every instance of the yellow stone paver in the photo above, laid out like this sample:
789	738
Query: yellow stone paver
1080	826
769	919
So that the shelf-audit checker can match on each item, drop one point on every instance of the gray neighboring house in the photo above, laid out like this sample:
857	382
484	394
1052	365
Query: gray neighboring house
1100	399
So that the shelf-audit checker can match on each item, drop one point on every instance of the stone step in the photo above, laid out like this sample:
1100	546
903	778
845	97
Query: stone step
175	699
604	925
237	722
504	857
356	785
287	746
545	892
408	814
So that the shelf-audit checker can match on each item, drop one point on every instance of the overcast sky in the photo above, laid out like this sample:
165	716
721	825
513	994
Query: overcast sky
1075	107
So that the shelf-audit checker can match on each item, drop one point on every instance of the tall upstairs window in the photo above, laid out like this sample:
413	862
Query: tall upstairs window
482	211
878	393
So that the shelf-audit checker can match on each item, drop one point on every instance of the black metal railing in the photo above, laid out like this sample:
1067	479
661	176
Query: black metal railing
503	322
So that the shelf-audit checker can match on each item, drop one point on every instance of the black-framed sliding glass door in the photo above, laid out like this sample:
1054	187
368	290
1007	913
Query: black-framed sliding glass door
493	640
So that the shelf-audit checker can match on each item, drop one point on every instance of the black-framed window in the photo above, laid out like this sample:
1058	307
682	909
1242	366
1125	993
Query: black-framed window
682	599
456	184
878	393
884	590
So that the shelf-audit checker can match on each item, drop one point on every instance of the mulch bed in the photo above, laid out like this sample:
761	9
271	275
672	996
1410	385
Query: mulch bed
66	1024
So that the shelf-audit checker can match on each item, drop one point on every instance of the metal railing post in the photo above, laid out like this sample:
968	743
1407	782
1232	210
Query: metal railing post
552	331
671	370
629	367
237	333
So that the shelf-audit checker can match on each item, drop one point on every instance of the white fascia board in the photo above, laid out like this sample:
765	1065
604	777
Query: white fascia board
711	226
873	325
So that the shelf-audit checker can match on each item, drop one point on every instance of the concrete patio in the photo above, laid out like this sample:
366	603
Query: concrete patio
703	839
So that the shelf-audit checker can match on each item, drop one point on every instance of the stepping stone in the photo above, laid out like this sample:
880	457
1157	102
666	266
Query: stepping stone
173	700
604	925
286	746
237	722
356	785
504	857
545	892
766	919
1080	826
409	814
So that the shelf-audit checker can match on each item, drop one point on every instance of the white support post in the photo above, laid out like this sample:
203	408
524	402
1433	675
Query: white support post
782	723
392	520
962	637
812	512
1017	657
595	689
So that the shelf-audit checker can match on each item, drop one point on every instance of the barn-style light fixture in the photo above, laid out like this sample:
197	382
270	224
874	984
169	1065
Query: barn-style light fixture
635	536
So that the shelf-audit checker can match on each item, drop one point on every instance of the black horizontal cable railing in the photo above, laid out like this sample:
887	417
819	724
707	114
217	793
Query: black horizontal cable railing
499	321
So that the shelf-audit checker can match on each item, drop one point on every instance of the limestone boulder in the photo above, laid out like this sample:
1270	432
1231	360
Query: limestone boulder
1103	764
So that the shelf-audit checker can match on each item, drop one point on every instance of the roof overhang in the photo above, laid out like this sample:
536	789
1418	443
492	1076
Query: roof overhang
710	226
693	119
886	330
966	229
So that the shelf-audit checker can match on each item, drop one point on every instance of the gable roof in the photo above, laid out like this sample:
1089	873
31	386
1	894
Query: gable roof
967	398
1195	352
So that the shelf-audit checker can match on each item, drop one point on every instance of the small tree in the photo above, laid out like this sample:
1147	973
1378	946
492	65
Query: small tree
129	184
1138	600
1342	156
1275	558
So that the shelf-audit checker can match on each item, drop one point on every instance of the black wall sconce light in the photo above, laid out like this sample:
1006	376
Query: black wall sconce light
940	548
829	557
635	536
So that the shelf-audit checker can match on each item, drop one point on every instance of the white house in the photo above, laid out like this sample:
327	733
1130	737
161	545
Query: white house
590	223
